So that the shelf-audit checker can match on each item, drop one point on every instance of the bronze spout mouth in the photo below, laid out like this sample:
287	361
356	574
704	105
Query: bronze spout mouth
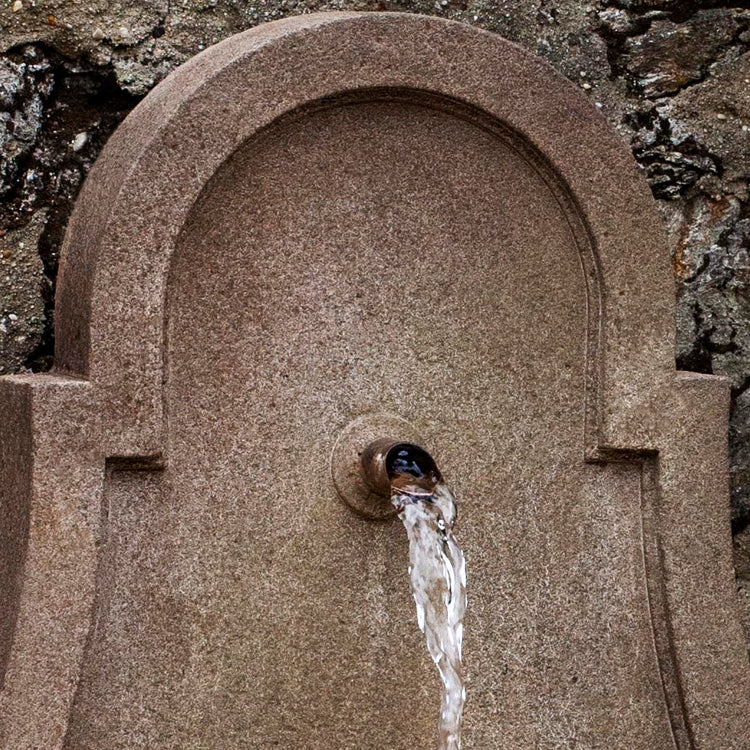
395	467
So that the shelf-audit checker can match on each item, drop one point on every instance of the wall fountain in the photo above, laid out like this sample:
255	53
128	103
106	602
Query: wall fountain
408	477
327	231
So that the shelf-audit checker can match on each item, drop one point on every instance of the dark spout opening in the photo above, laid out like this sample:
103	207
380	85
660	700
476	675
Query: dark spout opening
389	466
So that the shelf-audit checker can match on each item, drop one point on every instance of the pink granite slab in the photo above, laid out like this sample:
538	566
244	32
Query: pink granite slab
374	217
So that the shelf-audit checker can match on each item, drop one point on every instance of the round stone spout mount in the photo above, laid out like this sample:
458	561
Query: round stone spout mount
364	464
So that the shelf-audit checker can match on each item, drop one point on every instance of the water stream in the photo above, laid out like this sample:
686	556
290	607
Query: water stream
438	580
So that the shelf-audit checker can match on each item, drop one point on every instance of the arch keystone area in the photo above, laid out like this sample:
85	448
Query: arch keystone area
332	218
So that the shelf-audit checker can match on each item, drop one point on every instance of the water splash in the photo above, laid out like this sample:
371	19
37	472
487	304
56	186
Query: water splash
438	581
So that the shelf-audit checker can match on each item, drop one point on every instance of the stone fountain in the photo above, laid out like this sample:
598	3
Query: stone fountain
327	230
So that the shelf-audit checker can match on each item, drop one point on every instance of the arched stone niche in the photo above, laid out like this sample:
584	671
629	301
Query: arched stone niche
322	219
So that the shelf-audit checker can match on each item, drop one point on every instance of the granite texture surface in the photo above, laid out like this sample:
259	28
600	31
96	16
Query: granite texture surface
671	77
400	215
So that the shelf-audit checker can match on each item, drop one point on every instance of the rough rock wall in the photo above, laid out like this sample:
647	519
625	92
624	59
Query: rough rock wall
673	77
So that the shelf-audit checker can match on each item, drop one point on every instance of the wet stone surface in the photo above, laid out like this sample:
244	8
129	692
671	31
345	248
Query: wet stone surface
672	55
22	289
55	116
672	77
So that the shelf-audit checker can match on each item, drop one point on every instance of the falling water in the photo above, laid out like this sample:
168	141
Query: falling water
438	580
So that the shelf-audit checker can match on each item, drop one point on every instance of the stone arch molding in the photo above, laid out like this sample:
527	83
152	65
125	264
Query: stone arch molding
102	410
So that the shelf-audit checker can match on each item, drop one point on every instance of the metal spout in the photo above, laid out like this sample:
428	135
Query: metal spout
389	466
